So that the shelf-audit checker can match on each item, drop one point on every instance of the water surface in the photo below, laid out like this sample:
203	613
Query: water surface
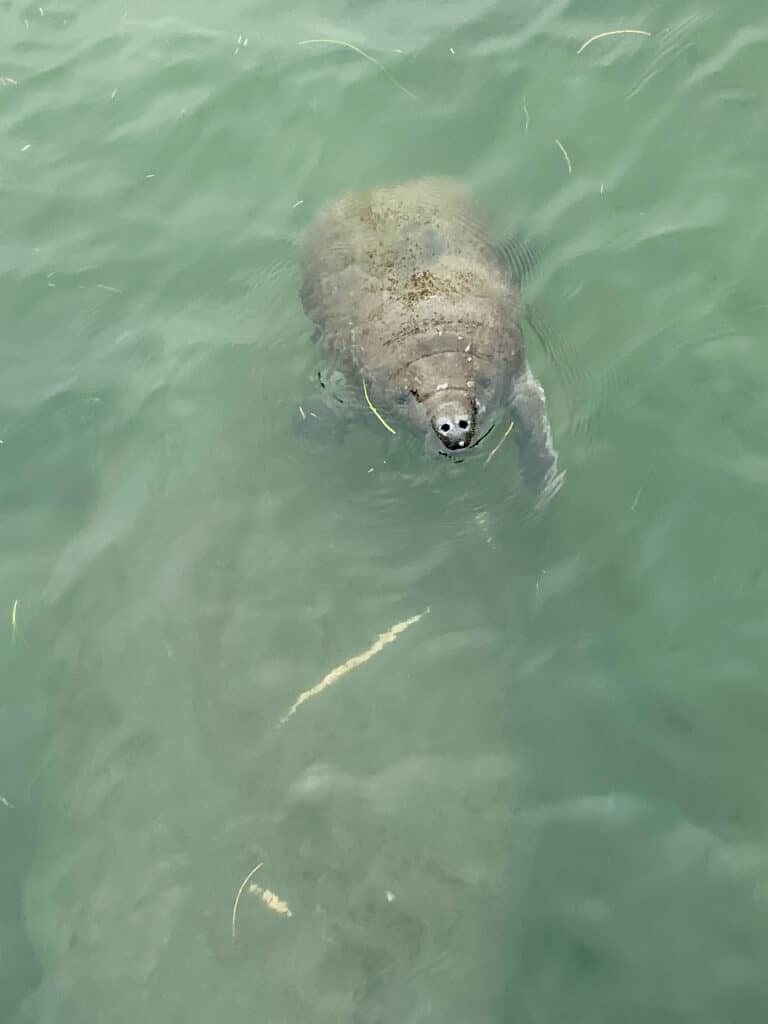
546	800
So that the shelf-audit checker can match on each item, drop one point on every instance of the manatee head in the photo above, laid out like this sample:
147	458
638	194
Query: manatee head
453	418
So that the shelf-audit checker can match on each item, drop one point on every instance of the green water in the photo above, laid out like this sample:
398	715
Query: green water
546	801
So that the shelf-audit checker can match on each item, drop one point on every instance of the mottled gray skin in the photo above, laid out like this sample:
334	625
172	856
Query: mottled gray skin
409	292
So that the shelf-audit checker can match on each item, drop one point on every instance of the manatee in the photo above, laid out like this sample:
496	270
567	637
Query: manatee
413	299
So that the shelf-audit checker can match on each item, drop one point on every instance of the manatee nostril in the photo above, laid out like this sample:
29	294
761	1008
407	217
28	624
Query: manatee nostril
445	427
463	424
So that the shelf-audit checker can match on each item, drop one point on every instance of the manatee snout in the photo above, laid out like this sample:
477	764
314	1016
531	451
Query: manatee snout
454	420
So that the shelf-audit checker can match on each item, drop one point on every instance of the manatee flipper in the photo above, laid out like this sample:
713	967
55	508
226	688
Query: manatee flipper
324	416
533	434
519	257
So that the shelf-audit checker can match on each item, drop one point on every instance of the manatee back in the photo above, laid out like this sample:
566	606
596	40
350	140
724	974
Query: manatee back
397	275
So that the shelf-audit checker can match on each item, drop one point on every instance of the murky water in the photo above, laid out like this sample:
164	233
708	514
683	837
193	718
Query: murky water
544	800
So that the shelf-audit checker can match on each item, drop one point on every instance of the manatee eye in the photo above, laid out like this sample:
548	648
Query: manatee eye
445	427
463	424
